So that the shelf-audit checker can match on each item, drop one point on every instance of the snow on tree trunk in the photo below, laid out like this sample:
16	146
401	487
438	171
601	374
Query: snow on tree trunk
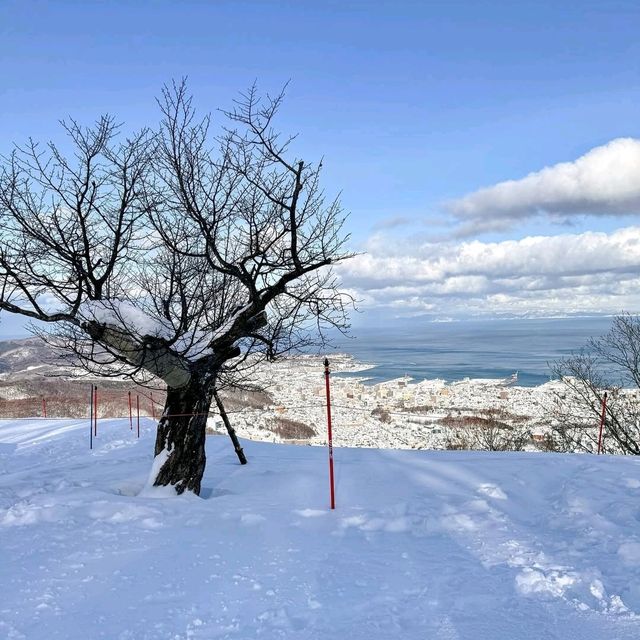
182	434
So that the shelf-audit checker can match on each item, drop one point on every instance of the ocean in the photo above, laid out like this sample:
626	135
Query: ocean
474	349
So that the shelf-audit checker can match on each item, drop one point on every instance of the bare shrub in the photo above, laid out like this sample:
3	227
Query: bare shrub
382	414
454	422
422	408
291	429
503	415
238	399
485	434
609	364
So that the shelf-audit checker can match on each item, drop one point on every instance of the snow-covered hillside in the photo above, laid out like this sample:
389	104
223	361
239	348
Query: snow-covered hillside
422	545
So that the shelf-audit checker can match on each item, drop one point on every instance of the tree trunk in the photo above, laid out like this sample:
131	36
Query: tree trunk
181	436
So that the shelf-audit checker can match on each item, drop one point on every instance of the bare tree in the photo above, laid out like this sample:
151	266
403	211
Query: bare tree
173	254
487	434
609	364
499	438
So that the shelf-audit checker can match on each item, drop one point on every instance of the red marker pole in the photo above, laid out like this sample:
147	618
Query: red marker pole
138	412
153	408
602	420
130	414
44	407
95	411
326	380
91	419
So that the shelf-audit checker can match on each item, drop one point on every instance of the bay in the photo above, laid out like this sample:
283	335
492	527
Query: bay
469	349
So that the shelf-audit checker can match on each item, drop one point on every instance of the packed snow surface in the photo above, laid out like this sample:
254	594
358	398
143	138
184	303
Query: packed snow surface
424	545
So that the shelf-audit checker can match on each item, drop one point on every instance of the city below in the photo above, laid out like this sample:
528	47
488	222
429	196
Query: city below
400	413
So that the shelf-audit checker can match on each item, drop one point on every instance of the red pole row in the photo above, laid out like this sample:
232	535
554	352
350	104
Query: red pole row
94	408
93	413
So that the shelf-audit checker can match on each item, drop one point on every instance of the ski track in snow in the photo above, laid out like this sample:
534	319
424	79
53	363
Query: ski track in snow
422	545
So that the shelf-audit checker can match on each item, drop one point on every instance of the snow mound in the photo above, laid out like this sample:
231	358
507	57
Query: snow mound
442	545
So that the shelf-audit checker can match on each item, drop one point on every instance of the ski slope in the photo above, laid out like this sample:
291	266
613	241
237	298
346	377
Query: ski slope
422	545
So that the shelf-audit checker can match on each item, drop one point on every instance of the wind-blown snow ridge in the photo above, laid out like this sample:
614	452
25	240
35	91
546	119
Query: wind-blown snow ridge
422	544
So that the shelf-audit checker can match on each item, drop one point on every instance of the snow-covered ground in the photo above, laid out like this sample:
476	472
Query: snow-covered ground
424	545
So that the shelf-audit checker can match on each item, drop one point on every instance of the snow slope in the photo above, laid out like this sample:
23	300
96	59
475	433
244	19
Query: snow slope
423	545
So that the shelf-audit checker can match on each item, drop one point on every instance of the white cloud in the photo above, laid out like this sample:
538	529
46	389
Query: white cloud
586	272
604	181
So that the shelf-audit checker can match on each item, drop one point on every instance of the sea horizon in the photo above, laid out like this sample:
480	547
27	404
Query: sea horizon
455	349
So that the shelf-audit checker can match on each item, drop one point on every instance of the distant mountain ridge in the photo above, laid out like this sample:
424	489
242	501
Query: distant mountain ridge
23	356
31	371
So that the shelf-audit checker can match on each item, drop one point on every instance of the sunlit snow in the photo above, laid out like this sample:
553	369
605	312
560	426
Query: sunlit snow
422	545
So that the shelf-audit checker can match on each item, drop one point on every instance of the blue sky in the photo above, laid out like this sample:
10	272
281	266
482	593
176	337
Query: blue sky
414	106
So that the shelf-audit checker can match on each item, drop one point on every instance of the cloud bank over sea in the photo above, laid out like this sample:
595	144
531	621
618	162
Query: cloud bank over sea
590	272
492	264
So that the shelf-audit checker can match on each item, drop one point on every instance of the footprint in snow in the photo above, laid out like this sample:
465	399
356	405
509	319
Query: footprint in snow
310	513
251	519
